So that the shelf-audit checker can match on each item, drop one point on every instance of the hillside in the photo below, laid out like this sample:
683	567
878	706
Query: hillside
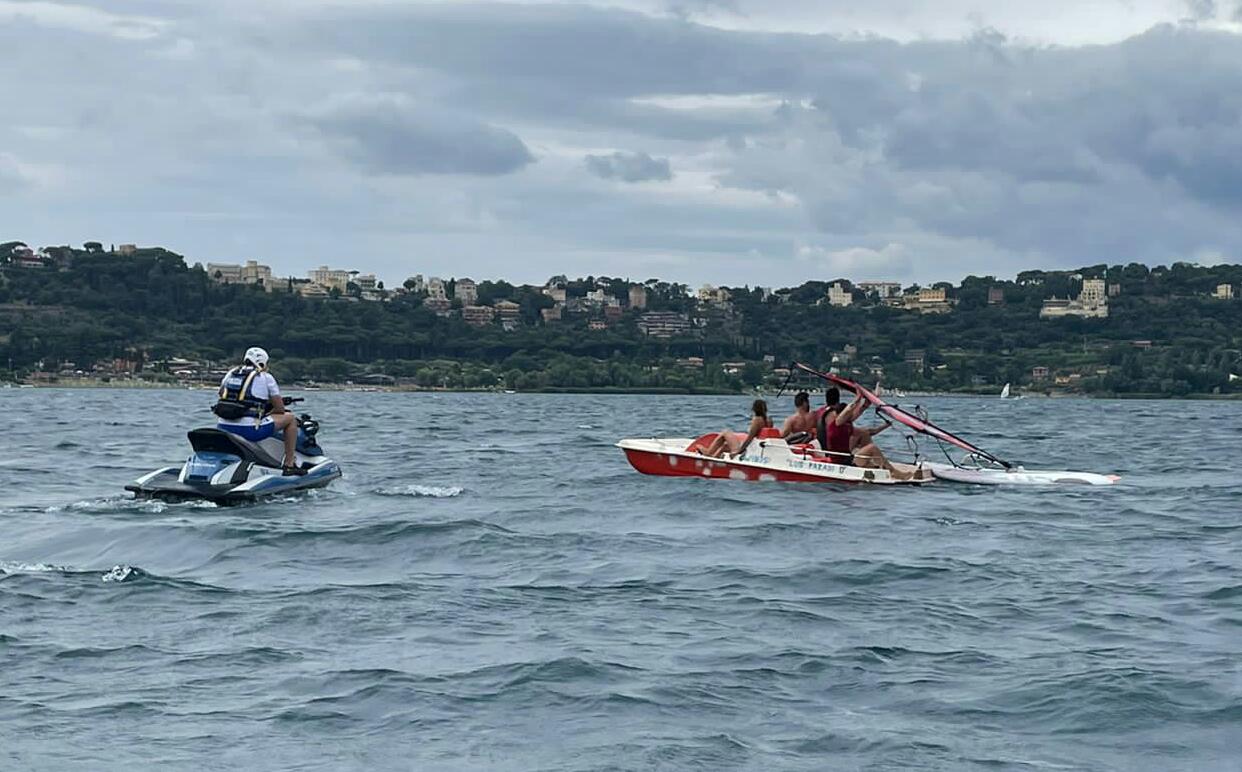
110	312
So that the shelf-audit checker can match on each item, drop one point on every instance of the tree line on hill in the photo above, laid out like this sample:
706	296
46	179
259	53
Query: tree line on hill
1164	333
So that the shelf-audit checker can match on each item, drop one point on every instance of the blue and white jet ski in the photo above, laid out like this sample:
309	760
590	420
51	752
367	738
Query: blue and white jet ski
228	469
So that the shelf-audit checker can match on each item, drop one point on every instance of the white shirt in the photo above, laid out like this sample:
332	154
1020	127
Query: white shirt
262	387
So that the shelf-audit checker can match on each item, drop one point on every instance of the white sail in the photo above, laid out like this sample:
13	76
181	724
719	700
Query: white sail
1005	392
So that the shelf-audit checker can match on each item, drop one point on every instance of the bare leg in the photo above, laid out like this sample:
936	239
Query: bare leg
870	456
289	425
717	447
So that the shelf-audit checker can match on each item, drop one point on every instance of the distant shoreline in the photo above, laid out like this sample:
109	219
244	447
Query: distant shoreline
88	383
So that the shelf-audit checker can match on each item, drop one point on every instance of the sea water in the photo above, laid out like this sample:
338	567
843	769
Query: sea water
490	586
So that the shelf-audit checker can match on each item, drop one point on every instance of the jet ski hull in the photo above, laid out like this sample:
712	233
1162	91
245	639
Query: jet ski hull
168	485
228	469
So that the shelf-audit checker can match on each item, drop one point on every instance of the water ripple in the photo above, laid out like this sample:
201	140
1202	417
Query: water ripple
527	601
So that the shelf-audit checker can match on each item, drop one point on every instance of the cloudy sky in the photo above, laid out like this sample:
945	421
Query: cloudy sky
732	141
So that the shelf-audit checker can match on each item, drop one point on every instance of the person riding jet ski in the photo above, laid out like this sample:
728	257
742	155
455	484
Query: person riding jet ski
251	407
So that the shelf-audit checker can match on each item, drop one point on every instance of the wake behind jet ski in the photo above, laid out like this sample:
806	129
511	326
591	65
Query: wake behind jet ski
229	469
258	448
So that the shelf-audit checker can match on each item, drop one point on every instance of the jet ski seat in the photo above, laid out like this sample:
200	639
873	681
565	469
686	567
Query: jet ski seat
220	441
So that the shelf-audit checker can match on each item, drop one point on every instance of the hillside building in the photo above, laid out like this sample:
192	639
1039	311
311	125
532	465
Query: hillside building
663	324
477	316
1091	303
839	295
436	289
466	291
881	290
638	297
713	296
332	278
928	300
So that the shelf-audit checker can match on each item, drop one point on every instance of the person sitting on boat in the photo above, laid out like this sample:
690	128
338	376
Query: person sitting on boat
251	407
728	441
850	446
800	426
832	399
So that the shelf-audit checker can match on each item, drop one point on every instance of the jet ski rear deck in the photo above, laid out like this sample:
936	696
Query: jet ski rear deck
228	469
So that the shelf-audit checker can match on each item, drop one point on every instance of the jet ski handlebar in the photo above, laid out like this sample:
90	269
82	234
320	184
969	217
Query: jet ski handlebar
293	400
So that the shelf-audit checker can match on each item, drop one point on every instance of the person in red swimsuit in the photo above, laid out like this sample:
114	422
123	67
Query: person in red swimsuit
851	446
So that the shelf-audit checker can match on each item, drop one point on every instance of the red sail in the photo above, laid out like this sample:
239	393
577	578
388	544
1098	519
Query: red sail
894	413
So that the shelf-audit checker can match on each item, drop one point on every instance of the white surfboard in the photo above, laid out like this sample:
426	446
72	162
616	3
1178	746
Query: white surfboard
1017	476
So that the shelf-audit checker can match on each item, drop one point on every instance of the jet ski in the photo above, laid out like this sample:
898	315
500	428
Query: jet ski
228	469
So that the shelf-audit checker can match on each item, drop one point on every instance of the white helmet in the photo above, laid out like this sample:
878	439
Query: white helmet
256	356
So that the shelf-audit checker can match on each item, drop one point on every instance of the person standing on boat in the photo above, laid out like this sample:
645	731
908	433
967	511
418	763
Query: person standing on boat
251	407
800	426
727	440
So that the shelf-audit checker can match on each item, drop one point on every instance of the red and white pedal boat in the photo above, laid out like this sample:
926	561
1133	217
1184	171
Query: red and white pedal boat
768	459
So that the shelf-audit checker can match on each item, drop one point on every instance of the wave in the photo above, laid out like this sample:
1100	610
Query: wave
379	533
11	567
125	504
123	574
118	574
428	491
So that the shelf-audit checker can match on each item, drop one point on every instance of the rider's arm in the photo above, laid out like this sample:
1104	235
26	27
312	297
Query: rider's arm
274	399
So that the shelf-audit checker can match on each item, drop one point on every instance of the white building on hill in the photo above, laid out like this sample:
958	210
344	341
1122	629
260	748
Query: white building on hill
1091	303
839	295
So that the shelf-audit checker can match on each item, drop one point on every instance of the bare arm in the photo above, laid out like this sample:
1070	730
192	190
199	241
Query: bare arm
274	399
851	413
787	427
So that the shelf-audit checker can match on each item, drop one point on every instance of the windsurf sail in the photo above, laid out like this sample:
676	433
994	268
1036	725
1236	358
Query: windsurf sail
894	413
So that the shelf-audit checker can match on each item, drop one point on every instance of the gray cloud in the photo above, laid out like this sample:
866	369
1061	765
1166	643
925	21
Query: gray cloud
629	167
793	152
686	9
1201	10
392	136
1036	114
12	179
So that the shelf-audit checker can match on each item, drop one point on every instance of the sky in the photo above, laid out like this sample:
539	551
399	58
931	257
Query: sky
758	142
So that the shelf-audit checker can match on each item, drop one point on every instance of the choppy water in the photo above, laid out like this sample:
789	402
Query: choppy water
491	587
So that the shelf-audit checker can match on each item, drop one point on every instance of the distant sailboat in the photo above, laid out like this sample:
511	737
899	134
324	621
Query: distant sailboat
1005	392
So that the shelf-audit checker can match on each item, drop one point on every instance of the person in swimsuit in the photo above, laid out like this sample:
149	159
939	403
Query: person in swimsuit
832	403
849	446
800	426
727	441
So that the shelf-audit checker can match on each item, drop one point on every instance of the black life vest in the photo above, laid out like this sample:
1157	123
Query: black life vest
237	398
